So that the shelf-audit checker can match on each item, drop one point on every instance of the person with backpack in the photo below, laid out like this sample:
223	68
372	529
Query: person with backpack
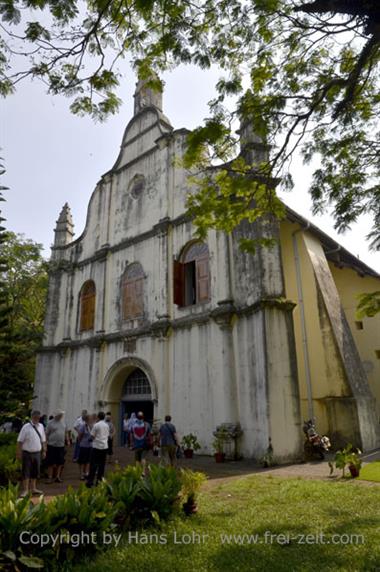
31	447
141	438
169	442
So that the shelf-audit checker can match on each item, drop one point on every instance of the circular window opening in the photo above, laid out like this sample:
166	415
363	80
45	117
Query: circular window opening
137	187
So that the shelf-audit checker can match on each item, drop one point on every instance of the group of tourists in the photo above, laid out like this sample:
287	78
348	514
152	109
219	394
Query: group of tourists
138	436
94	442
43	441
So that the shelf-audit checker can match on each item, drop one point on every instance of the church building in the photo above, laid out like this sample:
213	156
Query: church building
142	316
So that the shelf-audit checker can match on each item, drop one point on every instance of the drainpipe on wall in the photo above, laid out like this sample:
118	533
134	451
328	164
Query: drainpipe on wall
305	346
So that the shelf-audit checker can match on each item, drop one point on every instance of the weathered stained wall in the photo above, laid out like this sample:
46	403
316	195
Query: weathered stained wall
197	384
341	397
230	359
214	362
271	390
367	340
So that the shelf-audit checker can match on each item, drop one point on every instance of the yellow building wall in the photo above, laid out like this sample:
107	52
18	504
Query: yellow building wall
367	340
326	372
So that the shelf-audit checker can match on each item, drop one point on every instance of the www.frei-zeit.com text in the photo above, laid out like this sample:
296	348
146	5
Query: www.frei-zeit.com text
174	537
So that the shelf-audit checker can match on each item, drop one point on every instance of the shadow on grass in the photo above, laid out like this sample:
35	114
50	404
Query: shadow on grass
285	549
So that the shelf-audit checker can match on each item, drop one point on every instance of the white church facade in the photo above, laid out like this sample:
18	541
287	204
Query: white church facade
141	316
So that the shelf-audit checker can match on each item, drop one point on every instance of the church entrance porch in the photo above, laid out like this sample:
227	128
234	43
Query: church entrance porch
137	396
129	407
129	387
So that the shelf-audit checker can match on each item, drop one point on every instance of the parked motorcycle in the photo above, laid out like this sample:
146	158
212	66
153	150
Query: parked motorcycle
315	445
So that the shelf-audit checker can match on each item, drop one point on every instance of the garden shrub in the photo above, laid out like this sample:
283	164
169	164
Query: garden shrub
77	513
144	499
128	499
17	516
9	465
8	439
159	492
122	486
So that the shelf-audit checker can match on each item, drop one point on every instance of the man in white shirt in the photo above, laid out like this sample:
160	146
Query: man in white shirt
100	434
31	447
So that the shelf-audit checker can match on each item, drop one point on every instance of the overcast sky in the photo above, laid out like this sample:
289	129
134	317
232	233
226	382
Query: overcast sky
52	156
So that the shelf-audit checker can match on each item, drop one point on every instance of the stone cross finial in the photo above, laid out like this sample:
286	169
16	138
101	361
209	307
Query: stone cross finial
146	96
64	230
253	148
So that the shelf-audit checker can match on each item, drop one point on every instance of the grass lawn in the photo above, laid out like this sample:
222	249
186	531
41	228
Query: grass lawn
262	506
371	472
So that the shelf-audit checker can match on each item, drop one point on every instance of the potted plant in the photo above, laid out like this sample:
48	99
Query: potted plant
190	444
347	457
268	459
221	436
191	484
354	464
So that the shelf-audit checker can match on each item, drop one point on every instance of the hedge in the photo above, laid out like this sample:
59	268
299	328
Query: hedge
81	520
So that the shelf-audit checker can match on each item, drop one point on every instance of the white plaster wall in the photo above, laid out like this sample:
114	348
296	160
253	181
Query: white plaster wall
199	379
249	346
206	373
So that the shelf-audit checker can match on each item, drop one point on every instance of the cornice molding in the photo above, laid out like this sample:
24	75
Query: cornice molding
161	228
223	315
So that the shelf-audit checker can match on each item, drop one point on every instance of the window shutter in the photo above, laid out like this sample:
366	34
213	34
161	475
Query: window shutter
133	298
87	311
132	312
91	312
203	280
178	283
83	315
139	297
128	300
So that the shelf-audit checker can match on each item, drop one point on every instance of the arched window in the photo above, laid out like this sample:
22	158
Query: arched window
87	306
137	387
192	276
133	292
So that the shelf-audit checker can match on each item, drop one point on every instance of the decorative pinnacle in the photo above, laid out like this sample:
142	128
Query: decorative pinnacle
64	230
148	93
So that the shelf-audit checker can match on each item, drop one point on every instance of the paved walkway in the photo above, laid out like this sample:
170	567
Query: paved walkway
215	471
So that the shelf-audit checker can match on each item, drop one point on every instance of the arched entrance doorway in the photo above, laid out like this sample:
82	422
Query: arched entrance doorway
137	395
129	386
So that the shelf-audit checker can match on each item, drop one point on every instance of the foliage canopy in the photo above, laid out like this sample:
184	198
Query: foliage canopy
305	73
23	289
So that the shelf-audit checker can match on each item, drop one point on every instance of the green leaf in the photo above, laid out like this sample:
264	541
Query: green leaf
9	554
32	561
